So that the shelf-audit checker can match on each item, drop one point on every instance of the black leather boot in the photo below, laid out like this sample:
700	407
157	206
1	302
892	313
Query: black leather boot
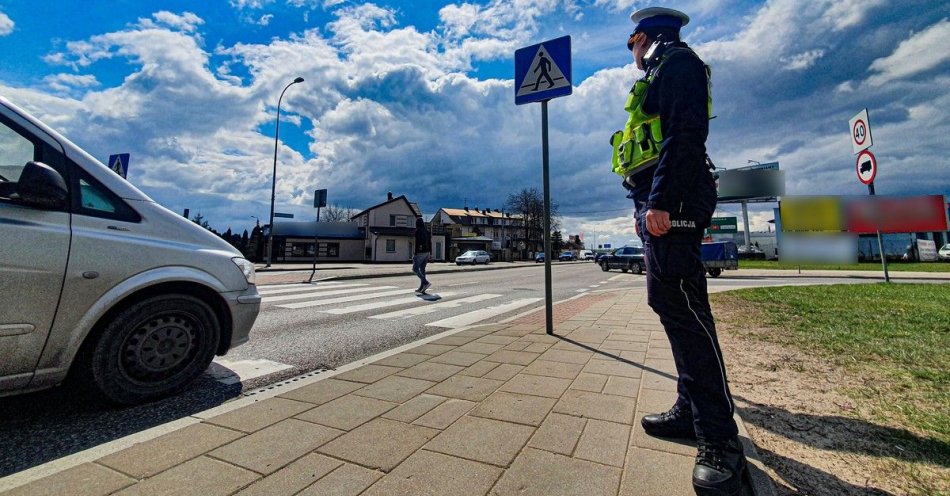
720	468
676	423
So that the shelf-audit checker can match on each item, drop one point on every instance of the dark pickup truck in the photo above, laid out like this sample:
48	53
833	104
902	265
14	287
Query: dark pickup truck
624	258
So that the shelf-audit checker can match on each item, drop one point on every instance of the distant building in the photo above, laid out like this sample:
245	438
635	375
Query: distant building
388	229
465	229
339	241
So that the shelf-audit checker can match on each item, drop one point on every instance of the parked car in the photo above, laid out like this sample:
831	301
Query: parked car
625	258
944	253
473	257
567	256
539	257
101	285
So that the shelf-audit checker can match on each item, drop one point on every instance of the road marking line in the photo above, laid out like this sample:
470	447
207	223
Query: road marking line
595	285
581	290
617	277
308	287
235	371
482	314
321	294
422	310
344	299
380	304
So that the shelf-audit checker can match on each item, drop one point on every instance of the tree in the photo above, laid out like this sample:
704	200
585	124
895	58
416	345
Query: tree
336	213
556	242
530	205
201	221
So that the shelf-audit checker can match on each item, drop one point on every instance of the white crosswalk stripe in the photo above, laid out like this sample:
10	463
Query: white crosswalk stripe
345	299
320	294
308	287
382	304
422	310
482	314
367	298
302	285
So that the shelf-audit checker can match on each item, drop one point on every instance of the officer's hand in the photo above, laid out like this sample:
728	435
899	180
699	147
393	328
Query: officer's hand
658	222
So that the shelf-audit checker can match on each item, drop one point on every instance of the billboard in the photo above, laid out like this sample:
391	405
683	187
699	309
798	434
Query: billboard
746	184
863	214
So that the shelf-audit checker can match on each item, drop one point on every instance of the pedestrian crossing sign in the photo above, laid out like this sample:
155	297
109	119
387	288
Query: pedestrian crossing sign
543	71
119	163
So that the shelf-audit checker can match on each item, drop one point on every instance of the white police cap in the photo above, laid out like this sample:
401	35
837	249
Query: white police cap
659	17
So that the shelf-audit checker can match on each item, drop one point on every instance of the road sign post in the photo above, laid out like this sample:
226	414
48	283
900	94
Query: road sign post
549	64
319	201
866	166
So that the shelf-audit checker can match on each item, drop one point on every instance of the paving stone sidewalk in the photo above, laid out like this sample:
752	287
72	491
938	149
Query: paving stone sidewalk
501	409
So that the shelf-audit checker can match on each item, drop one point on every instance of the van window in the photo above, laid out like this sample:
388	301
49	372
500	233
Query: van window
96	201
17	147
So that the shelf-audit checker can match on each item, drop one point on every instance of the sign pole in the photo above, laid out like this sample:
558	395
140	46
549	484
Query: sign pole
880	240
548	304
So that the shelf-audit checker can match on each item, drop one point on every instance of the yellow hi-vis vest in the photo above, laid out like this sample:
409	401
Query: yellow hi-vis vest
637	147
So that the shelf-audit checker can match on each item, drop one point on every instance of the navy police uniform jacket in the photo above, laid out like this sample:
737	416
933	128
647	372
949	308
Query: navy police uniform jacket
681	182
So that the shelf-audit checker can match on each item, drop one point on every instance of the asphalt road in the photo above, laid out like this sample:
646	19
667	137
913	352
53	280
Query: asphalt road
338	323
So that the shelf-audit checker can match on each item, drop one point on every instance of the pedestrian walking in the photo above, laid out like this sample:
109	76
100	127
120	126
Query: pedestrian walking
661	154
420	258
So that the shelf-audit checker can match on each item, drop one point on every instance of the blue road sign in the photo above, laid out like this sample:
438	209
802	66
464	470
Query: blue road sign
543	71
119	162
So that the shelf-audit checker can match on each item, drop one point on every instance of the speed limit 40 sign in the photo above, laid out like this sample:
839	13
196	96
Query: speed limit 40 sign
860	132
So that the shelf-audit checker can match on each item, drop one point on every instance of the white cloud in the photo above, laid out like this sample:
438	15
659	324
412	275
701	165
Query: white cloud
802	60
68	82
784	28
265	19
6	24
921	52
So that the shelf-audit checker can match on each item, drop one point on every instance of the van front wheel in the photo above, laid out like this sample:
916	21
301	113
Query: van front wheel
154	348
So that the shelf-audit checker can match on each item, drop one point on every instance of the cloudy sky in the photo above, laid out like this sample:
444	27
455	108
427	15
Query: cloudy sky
417	97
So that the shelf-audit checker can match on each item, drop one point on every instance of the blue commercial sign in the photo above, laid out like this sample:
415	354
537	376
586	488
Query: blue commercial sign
119	162
543	71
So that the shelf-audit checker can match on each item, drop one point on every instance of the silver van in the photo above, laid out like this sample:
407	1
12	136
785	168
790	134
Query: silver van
101	285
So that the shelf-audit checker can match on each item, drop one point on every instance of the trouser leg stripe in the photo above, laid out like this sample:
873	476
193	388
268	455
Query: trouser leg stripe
722	370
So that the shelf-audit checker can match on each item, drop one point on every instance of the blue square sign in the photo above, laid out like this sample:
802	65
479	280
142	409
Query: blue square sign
543	71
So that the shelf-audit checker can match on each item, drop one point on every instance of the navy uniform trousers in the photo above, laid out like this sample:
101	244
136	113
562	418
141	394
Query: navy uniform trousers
676	291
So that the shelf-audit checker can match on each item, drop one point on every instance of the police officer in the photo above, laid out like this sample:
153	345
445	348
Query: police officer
661	154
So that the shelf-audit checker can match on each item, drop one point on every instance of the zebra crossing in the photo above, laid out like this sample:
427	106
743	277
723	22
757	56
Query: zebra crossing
341	298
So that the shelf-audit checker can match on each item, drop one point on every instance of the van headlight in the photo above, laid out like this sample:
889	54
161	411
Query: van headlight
247	268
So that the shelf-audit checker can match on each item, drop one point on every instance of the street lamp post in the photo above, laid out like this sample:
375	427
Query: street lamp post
273	184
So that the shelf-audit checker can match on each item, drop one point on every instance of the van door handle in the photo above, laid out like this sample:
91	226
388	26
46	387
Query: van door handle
117	228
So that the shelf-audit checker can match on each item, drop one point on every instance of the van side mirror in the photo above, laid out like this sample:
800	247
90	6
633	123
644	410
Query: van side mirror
41	186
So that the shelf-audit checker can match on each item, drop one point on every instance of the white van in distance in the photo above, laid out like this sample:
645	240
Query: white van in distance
101	285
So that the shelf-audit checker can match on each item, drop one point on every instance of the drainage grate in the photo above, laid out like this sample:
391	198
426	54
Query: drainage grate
286	382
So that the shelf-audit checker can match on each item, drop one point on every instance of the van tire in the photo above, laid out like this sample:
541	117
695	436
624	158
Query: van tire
126	369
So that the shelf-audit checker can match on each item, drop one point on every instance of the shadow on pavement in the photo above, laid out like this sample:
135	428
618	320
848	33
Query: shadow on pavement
615	357
40	427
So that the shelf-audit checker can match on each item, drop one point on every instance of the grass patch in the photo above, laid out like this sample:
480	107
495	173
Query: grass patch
895	337
876	266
